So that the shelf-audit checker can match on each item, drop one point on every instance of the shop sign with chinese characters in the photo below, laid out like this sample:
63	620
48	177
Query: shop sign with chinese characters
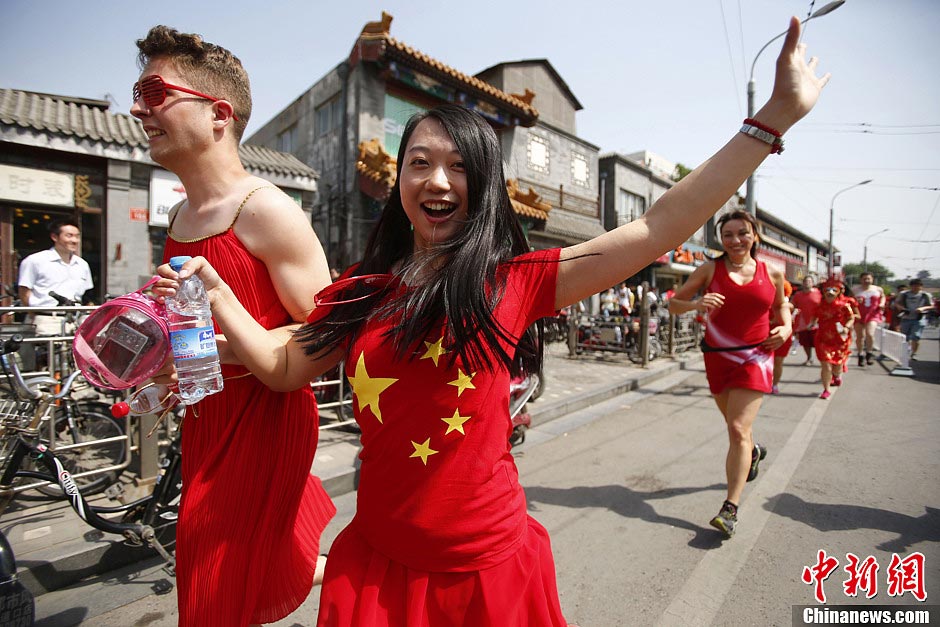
36	186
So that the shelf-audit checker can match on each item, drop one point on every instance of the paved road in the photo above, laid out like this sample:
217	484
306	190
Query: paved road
626	489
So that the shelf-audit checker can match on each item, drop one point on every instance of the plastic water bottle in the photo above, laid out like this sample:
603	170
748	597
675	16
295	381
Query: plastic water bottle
193	339
152	399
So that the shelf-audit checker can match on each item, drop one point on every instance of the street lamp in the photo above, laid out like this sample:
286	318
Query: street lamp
865	254
749	201
832	212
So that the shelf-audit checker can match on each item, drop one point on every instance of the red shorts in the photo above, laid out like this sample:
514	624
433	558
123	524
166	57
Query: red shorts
751	369
784	349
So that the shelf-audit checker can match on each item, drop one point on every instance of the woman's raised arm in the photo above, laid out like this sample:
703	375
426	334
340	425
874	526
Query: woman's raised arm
687	205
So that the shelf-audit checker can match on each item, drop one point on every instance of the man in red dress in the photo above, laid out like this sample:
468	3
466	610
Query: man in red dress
251	512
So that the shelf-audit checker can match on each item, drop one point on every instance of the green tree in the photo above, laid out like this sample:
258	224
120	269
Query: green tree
854	270
681	172
924	275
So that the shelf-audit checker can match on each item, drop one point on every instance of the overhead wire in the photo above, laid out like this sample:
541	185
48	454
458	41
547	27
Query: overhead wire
734	74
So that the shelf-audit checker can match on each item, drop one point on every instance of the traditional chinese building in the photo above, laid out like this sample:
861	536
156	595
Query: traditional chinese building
348	127
73	157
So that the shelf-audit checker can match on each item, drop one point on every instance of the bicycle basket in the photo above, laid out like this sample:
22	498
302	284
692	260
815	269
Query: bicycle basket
123	342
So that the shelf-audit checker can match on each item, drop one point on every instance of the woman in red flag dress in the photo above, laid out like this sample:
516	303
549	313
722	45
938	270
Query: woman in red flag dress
834	316
431	324
741	295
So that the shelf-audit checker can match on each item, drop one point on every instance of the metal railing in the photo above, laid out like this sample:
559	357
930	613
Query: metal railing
324	390
894	345
683	333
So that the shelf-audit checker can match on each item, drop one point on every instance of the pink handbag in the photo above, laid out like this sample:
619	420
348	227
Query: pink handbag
123	342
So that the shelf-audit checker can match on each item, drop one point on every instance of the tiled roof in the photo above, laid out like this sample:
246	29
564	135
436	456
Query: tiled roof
62	115
407	51
576	228
528	211
87	119
261	158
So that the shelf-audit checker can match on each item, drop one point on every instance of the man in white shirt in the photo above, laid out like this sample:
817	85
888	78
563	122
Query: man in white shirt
58	269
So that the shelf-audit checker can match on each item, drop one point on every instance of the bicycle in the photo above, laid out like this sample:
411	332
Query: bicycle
91	444
150	520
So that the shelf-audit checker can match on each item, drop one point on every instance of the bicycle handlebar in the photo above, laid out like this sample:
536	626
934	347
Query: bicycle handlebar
63	301
12	343
32	389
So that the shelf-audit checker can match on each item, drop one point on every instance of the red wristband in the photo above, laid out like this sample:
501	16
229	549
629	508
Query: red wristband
763	127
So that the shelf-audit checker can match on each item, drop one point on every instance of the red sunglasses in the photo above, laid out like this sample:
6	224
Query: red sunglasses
153	89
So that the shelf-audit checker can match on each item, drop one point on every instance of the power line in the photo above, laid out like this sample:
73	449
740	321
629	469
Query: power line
741	35
915	188
734	74
885	185
864	131
871	169
865	124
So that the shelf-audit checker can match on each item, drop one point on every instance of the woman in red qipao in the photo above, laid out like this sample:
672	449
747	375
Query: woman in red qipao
431	324
834	316
740	297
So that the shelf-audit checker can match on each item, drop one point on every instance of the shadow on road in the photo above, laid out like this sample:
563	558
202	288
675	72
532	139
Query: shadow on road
628	503
837	517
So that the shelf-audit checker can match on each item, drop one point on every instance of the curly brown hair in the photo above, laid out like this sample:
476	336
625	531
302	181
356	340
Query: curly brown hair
209	68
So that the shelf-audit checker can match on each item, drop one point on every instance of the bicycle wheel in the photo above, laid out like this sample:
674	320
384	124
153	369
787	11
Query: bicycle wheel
161	511
92	422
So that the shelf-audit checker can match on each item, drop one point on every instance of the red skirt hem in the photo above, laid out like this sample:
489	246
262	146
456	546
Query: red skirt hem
363	588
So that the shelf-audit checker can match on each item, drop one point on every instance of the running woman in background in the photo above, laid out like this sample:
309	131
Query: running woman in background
740	297
871	308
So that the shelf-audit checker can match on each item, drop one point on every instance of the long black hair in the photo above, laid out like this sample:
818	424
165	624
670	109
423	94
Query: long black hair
462	285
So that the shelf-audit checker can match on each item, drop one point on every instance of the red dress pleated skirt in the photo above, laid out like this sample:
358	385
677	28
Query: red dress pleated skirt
363	588
252	514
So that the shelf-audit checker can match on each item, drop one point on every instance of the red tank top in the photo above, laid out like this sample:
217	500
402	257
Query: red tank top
745	317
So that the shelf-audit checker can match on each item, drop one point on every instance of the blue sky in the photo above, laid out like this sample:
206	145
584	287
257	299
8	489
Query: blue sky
670	80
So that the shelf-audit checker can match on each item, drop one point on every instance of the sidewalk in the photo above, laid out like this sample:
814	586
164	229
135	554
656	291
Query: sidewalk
54	548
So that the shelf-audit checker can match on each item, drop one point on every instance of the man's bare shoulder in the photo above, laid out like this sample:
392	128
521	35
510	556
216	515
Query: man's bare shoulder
266	199
271	223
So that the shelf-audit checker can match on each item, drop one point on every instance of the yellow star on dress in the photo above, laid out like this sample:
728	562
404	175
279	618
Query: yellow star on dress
455	422
367	389
435	350
423	450
463	382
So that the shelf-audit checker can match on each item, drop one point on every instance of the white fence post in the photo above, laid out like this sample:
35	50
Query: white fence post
903	369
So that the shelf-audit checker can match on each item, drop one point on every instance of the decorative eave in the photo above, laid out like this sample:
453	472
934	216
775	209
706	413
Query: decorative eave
528	204
375	44
377	170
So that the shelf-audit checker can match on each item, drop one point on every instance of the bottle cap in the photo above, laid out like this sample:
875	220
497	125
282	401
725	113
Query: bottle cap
177	262
120	410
